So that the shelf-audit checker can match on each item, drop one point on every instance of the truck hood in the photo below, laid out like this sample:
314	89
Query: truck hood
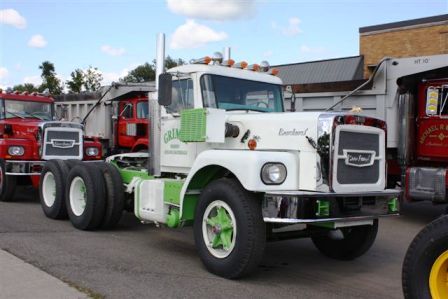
274	131
24	128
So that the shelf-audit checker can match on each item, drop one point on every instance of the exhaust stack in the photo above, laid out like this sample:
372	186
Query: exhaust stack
226	53
154	112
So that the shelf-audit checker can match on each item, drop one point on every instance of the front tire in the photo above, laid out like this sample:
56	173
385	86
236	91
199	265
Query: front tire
229	231
425	267
85	197
347	243
7	183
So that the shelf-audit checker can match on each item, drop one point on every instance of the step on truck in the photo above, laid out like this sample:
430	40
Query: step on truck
411	95
31	135
225	158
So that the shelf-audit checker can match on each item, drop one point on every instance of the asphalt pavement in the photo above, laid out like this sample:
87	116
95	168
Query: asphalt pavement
142	261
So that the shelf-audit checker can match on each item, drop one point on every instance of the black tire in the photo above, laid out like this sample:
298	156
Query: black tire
72	163
54	172
114	194
423	252
250	238
91	215
7	183
355	242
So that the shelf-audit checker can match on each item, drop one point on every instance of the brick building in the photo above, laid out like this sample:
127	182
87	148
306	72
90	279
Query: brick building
418	37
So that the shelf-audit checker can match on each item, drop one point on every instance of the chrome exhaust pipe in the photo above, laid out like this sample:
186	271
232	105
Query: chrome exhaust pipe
154	112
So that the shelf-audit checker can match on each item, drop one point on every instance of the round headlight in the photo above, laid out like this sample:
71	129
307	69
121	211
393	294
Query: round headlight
273	173
16	150
91	151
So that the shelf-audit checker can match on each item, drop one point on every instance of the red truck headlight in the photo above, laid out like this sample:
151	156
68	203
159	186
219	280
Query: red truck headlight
16	150
92	151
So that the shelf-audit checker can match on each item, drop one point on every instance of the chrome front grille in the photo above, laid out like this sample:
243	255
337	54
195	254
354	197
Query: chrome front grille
62	142
359	159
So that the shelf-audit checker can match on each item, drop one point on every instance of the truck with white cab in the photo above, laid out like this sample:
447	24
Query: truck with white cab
225	158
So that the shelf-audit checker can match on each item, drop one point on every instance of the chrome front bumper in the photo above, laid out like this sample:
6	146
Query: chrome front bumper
316	207
20	167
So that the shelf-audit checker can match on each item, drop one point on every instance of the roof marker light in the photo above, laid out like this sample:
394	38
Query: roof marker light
203	60
228	63
253	67
273	72
240	65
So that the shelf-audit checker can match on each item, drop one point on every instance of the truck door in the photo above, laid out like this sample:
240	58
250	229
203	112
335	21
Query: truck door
176	155
127	129
432	120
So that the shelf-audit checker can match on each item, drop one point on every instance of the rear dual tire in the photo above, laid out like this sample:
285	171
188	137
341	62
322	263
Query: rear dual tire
91	195
52	187
85	197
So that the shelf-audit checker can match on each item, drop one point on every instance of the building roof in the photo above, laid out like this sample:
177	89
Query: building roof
407	23
330	70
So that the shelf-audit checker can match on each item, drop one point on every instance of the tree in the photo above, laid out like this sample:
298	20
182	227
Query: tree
147	72
49	79
142	73
92	79
76	83
171	62
28	87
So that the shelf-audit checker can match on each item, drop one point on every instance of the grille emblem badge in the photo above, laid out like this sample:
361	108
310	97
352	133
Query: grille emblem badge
359	158
62	143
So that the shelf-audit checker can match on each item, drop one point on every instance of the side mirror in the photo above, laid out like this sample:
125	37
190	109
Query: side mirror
165	89
293	97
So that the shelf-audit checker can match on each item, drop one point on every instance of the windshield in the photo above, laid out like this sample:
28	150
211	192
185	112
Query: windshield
239	94
142	109
27	109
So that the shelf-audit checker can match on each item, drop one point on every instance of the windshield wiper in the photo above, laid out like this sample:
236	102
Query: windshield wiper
15	114
245	109
35	116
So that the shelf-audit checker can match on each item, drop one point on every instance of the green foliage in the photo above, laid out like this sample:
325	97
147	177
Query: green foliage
147	72
29	87
76	83
142	73
92	79
49	79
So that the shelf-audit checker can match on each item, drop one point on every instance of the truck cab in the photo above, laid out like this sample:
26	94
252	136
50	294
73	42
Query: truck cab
132	124
224	157
30	135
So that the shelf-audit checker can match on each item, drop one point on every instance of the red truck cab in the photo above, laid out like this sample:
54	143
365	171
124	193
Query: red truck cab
30	135
132	124
427	176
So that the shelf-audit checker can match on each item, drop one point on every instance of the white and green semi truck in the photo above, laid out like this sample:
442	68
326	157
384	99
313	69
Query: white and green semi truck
225	158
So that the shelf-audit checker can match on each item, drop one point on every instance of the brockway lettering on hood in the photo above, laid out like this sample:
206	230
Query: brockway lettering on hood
293	132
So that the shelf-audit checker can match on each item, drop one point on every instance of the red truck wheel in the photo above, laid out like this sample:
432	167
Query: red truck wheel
7	184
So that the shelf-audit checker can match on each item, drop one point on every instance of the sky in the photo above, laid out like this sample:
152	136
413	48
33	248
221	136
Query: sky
117	35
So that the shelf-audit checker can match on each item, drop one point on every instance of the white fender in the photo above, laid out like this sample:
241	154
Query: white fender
246	166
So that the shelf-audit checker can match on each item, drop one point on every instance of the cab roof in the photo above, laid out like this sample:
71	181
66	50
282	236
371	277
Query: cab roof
226	71
25	96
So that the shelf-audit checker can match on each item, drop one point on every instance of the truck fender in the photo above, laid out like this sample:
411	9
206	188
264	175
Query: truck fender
140	144
244	165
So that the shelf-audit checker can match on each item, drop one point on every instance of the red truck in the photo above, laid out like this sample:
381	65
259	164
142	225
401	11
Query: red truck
117	116
411	95
30	135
